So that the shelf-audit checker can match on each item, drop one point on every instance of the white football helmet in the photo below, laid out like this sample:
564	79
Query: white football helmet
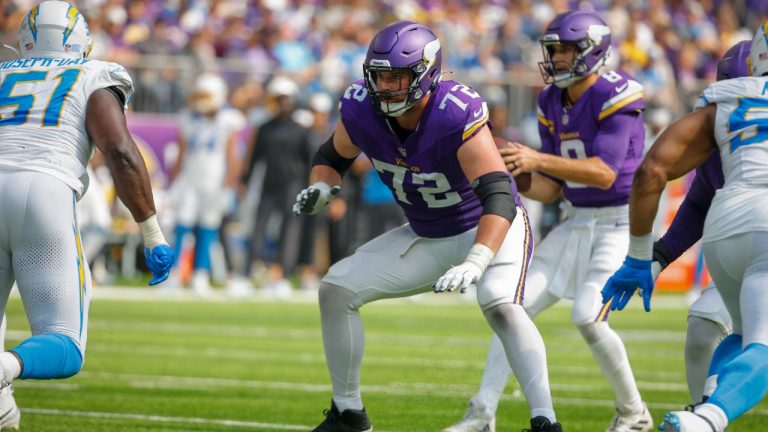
54	29
758	55
210	93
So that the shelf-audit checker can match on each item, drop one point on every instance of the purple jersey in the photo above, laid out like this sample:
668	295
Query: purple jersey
688	225
423	172
606	122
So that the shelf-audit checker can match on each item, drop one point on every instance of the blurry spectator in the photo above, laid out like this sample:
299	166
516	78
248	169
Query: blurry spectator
283	145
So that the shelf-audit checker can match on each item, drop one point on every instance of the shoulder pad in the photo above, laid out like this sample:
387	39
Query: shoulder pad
618	92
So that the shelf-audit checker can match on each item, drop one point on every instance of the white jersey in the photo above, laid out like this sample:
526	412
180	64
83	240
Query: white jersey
206	138
42	114
741	132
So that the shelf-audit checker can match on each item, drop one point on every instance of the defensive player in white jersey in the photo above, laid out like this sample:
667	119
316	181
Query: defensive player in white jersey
591	128
735	123
54	103
206	171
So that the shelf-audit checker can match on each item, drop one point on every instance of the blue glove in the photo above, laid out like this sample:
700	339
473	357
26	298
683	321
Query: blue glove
159	260
634	273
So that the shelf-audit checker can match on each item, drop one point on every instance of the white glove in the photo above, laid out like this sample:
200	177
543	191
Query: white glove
466	274
314	199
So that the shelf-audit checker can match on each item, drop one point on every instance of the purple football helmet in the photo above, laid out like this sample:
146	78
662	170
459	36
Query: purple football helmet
407	47
588	33
734	63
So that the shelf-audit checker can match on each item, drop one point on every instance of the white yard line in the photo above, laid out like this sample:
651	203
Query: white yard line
164	419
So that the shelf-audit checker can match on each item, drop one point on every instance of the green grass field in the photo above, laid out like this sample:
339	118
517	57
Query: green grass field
160	364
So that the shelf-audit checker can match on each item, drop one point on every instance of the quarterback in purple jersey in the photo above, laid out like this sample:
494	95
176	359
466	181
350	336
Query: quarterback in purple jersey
431	144
592	135
709	323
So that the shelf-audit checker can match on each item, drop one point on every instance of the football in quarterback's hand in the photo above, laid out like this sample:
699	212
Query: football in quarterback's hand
523	181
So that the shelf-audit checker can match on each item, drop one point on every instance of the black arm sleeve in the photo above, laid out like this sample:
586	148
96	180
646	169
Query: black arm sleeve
327	155
495	192
118	94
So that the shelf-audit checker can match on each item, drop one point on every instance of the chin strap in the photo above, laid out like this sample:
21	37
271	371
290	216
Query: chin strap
12	49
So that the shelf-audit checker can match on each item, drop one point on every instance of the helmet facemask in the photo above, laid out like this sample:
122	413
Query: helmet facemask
577	70
391	102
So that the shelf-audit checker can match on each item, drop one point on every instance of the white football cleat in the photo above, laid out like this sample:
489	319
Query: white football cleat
686	421
10	416
478	418
631	422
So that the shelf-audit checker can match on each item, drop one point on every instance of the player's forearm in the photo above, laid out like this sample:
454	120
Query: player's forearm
591	171
542	189
325	174
131	180
644	198
491	231
687	227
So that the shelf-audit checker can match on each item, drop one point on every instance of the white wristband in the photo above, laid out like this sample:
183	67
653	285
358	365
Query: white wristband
641	247
151	232
480	255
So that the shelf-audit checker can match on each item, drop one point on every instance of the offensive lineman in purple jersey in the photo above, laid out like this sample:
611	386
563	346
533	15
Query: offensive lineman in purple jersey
430	141
709	324
591	128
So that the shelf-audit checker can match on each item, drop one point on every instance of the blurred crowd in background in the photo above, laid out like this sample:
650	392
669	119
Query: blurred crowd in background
670	46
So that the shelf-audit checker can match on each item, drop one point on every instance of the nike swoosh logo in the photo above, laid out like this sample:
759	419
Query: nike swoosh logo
621	88
478	112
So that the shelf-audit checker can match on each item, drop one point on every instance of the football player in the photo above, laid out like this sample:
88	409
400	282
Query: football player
430	141
731	122
709	323
57	103
591	129
205	174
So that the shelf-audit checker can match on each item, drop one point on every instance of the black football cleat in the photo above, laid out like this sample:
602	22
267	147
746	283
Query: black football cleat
542	424
347	421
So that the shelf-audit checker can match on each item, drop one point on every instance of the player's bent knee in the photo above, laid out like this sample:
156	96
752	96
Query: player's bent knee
333	298
702	336
503	314
590	331
50	356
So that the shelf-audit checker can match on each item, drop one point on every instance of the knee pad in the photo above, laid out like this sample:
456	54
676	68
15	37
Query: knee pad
49	356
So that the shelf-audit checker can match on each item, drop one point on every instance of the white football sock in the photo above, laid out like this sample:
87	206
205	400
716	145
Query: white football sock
714	414
495	375
609	351
526	355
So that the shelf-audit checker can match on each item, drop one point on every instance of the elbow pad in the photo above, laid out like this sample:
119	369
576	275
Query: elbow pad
327	155
495	192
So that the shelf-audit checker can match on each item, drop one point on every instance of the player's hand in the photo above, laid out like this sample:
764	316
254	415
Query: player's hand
314	199
634	273
519	158
462	276
159	260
